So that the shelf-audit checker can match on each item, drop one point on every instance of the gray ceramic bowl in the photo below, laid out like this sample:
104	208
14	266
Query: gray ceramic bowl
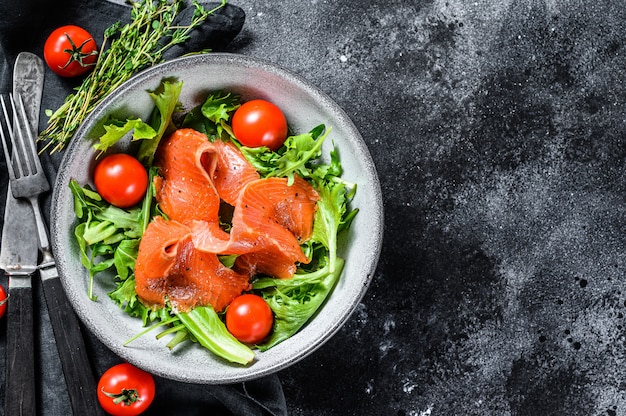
305	107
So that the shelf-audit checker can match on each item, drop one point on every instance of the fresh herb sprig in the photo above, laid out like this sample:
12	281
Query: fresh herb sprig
125	50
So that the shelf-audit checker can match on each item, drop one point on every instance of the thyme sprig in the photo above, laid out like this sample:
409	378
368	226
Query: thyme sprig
126	49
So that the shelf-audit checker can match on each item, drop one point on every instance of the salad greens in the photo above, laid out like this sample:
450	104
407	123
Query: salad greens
109	237
209	330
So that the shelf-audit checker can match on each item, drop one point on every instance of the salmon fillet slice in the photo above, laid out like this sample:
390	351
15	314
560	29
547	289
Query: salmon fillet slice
277	216
170	268
184	189
270	220
232	172
159	246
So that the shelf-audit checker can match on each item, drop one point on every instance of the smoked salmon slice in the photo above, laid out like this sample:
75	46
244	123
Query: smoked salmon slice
232	172
184	189
278	217
270	220
170	268
158	250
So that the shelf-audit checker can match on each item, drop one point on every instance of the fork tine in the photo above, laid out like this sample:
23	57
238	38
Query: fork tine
23	145
30	138
7	156
31	180
19	157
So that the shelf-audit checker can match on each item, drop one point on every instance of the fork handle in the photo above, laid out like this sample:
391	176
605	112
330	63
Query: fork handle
42	230
20	355
79	378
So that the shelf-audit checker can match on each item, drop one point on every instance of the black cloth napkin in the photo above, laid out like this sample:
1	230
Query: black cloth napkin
24	26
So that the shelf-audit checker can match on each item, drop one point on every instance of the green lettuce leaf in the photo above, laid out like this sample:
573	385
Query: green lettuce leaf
294	301
209	330
166	102
116	130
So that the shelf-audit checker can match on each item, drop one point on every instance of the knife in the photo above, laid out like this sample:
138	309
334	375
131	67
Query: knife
79	378
18	258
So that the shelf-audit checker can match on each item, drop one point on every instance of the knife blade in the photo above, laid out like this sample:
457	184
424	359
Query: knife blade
18	258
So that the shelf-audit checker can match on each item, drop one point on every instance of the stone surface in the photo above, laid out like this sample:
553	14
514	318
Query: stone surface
497	129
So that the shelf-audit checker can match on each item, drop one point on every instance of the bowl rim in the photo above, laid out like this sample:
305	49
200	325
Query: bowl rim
376	226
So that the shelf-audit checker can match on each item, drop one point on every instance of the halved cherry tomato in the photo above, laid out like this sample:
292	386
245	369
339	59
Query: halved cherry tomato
125	390
260	123
121	180
70	51
249	318
3	301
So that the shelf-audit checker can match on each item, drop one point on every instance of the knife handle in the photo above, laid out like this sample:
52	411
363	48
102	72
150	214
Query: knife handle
20	355
79	378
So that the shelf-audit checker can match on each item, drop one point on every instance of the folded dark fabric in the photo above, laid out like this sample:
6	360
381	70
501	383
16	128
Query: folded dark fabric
24	26
214	34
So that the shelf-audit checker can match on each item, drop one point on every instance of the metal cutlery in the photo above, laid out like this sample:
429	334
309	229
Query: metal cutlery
28	181
18	258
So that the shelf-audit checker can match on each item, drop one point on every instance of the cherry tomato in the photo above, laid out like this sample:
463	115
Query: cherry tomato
260	123
121	180
125	390
3	301
249	318
70	51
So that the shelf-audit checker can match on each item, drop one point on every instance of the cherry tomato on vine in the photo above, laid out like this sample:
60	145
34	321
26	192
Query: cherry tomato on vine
3	301
260	123
70	51
121	180
125	390
249	318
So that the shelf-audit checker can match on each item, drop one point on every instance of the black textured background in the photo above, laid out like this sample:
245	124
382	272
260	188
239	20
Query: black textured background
497	128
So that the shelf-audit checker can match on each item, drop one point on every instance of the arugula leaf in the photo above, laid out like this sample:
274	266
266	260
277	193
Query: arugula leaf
83	198
107	236
194	119
98	231
126	298
211	116
293	157
82	245
166	103
125	257
148	207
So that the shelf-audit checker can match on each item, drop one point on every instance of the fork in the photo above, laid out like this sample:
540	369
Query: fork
27	177
28	181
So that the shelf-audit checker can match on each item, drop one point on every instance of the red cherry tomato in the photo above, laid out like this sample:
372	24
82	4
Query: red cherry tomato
249	318
121	180
125	390
260	123
70	51
3	301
